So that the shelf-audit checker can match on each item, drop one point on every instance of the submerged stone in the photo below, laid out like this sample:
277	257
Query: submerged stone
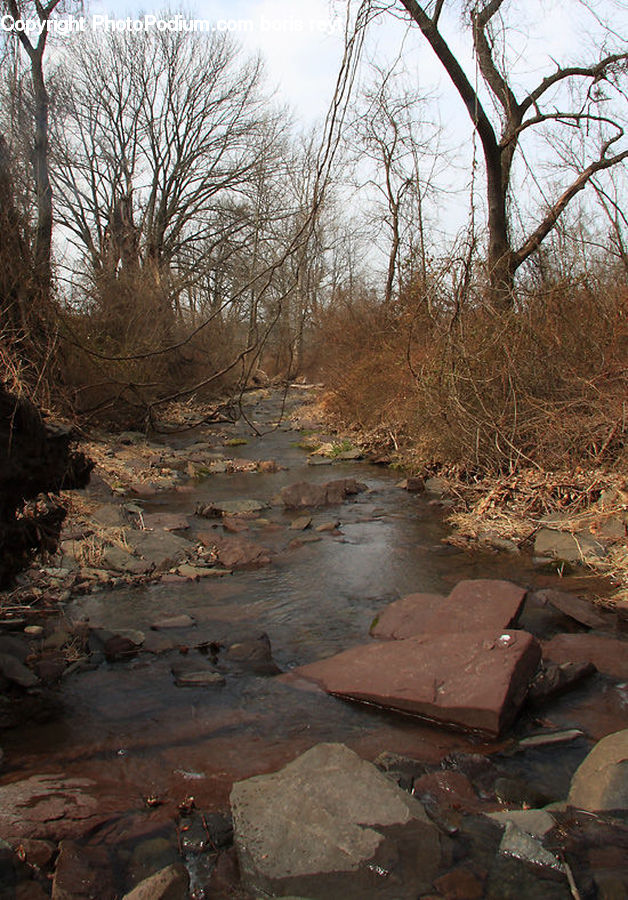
303	494
475	680
171	883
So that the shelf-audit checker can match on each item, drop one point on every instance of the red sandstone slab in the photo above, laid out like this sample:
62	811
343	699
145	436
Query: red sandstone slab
474	680
474	604
607	654
408	616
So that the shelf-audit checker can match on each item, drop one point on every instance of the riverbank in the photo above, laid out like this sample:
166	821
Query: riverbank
198	576
569	521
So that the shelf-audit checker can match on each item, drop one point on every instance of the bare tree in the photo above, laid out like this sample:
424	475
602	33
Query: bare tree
35	51
388	130
157	137
570	96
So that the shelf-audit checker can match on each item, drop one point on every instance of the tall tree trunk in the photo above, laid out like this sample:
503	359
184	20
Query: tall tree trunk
43	188
500	256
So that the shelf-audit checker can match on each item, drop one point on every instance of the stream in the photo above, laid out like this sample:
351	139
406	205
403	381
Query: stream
129	724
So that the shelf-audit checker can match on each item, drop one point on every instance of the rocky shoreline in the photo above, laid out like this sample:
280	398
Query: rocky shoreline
538	810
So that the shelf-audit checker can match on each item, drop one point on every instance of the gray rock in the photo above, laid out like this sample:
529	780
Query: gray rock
562	545
14	670
171	883
348	455
437	486
110	515
118	560
601	780
161	549
521	845
536	822
326	825
230	508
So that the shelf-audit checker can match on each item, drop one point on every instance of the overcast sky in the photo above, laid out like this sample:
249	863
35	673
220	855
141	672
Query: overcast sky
301	42
302	45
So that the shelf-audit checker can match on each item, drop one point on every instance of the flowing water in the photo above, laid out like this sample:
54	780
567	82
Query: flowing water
128	723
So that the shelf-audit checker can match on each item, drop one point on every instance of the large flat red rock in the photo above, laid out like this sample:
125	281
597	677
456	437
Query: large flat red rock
607	654
407	616
474	680
474	604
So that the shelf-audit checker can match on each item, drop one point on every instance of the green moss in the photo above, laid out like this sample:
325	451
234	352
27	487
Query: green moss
373	623
343	447
235	442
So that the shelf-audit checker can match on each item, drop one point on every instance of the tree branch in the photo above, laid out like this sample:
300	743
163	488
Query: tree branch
534	241
459	79
490	72
596	71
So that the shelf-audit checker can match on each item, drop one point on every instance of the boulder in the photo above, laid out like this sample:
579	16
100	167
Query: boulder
472	605
303	494
601	780
219	508
562	545
475	680
161	549
327	825
237	552
607	654
171	883
166	521
437	486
